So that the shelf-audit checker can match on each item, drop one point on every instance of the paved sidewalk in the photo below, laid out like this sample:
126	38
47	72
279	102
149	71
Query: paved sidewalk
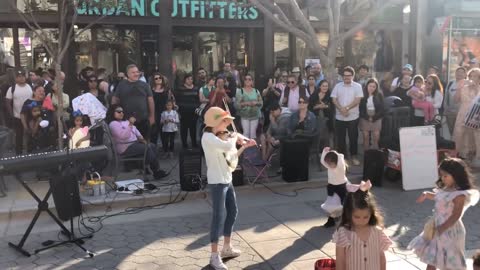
274	232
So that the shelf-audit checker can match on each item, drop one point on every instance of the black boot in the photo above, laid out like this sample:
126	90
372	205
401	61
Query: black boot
330	223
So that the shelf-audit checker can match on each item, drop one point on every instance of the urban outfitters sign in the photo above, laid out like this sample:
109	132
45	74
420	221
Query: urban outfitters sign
195	9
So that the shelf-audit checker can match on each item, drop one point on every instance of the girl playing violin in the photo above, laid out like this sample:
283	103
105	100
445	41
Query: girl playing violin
221	154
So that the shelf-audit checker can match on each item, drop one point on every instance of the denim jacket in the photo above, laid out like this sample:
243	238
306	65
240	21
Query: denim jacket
310	123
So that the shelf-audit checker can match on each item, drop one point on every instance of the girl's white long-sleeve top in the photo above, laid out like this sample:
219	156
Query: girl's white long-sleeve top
336	176
218	171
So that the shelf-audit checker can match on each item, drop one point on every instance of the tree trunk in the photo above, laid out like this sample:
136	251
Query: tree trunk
59	111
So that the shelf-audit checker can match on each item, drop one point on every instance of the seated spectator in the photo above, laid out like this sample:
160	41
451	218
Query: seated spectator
371	113
128	141
277	130
302	122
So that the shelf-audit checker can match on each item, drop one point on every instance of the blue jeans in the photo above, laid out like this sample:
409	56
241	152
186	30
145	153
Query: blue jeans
223	200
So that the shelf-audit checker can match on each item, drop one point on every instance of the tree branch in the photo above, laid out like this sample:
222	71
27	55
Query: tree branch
364	23
291	29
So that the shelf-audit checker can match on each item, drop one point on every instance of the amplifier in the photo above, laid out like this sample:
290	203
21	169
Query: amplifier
190	161
237	176
66	195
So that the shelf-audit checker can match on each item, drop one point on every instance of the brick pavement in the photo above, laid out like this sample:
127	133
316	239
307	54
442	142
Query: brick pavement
273	232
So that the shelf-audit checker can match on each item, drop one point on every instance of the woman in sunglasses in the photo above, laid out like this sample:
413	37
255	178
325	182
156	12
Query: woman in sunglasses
94	90
161	95
303	121
128	141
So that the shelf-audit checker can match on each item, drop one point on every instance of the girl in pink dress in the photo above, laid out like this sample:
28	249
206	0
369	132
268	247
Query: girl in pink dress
360	240
454	195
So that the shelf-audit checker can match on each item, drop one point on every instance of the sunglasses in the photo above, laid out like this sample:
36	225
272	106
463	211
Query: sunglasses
119	111
157	78
291	82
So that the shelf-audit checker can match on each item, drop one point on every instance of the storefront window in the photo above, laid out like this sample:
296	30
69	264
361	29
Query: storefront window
33	53
363	49
37	5
182	56
281	53
215	50
6	49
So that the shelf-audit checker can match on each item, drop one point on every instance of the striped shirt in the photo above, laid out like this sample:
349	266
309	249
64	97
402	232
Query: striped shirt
362	255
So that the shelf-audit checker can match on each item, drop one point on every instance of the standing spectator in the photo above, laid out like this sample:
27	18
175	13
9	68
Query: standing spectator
317	72
282	81
161	95
170	123
56	102
311	84
48	78
16	95
433	94
201	77
371	113
249	101
362	77
217	96
34	79
386	84
450	105
136	99
93	89
187	101
205	91
83	78
434	70
298	75
406	70
102	81
271	97
467	140
292	93
346	96
402	89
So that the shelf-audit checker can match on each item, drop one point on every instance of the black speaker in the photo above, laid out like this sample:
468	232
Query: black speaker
237	177
295	158
374	166
190	161
66	195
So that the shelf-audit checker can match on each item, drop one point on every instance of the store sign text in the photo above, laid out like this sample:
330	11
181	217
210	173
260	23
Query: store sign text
200	9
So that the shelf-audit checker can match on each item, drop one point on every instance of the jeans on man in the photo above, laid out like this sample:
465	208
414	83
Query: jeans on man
223	200
341	129
19	134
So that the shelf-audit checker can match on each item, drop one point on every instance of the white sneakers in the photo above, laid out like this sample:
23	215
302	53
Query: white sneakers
217	263
227	252
230	253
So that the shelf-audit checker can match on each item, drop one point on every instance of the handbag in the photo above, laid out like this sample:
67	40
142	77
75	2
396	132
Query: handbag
325	264
429	229
333	206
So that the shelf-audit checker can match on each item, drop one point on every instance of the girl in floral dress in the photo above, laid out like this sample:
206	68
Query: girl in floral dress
360	240
454	195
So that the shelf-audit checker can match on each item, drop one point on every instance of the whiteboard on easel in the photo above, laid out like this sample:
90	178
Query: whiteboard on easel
418	150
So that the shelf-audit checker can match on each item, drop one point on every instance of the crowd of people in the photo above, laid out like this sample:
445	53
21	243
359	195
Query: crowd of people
292	104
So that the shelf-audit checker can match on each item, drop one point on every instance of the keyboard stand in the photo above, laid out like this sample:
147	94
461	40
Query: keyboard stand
43	206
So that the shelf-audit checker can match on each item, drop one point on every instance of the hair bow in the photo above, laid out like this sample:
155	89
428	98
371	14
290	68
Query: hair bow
363	186
77	113
33	104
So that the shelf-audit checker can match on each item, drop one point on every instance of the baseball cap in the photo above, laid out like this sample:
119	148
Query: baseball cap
408	66
296	70
20	72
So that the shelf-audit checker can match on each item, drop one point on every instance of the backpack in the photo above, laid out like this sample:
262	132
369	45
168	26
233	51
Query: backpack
302	93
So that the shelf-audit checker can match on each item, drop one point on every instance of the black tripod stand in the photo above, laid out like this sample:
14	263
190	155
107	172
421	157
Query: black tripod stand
66	196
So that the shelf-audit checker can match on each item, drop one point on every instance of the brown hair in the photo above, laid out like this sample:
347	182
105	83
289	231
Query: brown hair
360	200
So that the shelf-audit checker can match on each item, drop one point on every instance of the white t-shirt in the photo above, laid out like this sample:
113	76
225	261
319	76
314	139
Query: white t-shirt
218	171
436	100
20	95
171	116
345	95
370	105
337	175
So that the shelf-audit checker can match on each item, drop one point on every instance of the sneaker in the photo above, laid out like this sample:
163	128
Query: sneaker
330	223
355	161
230	253
217	263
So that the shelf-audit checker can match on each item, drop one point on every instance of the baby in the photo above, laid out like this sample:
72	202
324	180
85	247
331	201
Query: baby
418	99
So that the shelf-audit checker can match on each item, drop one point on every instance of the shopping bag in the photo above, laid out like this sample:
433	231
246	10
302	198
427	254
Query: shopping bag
325	264
333	206
429	229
